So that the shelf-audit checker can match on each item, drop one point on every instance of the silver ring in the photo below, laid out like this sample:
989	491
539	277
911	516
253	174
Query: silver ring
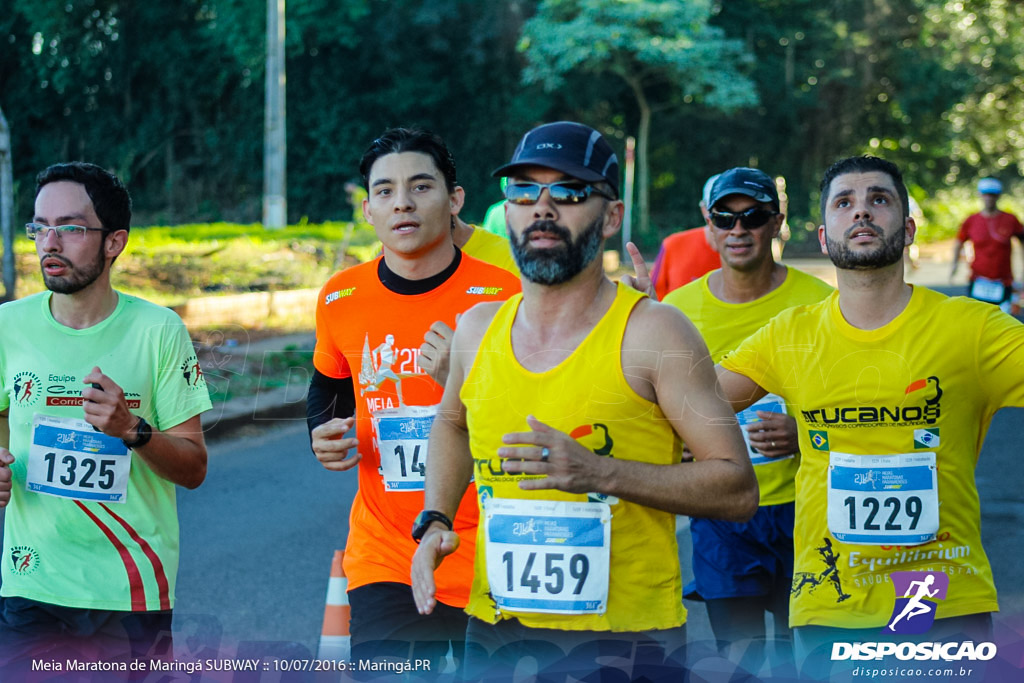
545	452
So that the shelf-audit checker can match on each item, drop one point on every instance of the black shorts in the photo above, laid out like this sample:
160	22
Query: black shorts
386	625
37	630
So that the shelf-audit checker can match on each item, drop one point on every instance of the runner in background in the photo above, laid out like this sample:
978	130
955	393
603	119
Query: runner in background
893	388
380	355
577	464
100	397
494	219
990	231
685	256
743	570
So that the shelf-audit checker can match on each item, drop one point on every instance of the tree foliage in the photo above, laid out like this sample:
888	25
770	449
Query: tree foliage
666	53
170	95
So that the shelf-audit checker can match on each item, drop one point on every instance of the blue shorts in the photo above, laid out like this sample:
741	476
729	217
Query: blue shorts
735	560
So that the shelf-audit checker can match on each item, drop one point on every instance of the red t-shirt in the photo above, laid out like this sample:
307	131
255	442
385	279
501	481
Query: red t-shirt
362	325
684	257
991	238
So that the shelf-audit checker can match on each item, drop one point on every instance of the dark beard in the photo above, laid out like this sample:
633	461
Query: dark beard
890	251
557	265
78	278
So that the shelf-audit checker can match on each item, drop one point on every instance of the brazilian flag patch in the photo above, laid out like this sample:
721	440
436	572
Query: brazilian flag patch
819	440
926	438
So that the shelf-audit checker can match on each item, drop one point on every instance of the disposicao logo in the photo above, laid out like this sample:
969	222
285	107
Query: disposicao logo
916	596
913	613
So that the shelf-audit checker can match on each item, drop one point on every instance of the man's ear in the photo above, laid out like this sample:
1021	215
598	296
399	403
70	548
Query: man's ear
457	199
114	243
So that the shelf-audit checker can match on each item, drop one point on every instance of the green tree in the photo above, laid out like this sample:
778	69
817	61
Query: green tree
666	53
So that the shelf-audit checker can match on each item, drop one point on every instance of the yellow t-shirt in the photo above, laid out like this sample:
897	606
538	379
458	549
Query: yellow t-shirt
545	555
491	248
886	417
725	325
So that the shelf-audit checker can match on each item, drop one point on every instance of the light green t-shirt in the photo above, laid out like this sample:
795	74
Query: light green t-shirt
89	524
725	326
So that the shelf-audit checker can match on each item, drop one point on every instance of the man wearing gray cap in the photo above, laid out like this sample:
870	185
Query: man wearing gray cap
743	570
577	460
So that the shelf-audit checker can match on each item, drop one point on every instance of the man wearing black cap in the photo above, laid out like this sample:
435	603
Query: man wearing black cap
743	570
568	405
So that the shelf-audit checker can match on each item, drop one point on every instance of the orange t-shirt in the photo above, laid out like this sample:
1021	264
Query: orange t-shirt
363	325
684	257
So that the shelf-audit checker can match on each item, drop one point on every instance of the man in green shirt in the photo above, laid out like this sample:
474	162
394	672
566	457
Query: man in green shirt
100	397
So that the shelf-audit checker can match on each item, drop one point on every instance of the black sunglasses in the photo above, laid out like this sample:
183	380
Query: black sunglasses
562	192
753	218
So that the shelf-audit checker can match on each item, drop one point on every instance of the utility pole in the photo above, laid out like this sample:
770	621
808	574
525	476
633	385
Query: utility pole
7	208
627	196
275	144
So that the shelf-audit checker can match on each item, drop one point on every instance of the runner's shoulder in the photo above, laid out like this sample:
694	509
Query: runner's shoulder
20	307
656	326
474	323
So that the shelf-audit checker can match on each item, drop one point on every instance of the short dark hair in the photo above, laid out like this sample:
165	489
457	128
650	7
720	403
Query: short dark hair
397	140
864	164
110	198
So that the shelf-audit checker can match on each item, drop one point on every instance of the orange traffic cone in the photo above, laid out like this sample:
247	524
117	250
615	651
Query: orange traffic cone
335	641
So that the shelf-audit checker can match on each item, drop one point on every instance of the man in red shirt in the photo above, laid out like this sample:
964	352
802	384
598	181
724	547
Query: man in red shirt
686	255
989	231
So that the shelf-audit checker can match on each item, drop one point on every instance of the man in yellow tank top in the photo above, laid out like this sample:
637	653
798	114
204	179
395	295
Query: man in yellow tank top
894	387
743	570
567	408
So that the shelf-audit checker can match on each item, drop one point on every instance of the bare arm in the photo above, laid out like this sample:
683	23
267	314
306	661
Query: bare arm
178	454
667	362
450	462
738	390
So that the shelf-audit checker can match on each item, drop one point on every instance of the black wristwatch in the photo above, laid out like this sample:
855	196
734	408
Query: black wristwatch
143	433
425	519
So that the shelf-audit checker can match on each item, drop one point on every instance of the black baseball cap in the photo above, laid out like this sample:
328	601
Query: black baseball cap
747	181
569	147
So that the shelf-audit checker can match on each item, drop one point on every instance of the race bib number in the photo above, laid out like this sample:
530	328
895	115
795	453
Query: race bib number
401	435
991	291
883	499
770	403
548	556
70	459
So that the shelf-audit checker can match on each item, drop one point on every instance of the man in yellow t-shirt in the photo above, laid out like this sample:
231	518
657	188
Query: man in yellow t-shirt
743	570
577	463
894	387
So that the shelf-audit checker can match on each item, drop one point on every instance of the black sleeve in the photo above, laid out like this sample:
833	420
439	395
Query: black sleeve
327	399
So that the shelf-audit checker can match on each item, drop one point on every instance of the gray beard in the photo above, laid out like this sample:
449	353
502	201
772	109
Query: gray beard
888	253
555	266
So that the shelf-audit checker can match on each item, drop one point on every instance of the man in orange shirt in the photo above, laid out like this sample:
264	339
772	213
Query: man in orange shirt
371	321
687	255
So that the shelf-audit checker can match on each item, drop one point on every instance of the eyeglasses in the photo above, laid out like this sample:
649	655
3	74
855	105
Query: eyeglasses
563	192
753	218
73	232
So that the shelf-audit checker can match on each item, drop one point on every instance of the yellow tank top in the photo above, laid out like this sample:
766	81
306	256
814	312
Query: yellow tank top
586	396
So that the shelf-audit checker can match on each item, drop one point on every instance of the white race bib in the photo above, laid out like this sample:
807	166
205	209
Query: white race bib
883	499
401	435
991	291
769	403
548	556
70	459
